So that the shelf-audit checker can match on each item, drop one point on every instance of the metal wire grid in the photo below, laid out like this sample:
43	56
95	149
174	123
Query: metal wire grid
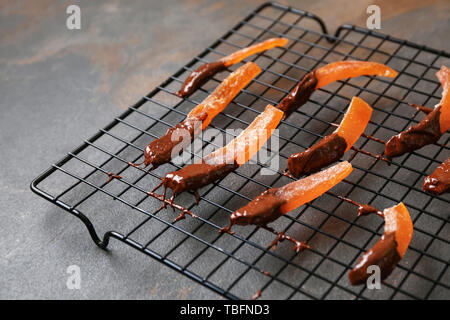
232	265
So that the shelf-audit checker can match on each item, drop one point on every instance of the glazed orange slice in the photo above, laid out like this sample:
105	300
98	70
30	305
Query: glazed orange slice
248	143
240	55
349	69
444	118
307	189
225	92
355	121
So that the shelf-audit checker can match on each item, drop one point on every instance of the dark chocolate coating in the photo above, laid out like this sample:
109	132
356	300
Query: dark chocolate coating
439	181
160	150
196	176
425	132
199	76
328	150
365	209
262	210
383	254
299	95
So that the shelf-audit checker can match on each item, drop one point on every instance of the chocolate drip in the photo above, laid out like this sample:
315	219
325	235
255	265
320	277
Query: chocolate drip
330	149
363	209
199	76
368	136
197	175
299	95
425	132
439	181
383	254
160	151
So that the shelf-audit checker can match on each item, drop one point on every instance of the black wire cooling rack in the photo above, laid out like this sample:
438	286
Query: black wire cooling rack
238	265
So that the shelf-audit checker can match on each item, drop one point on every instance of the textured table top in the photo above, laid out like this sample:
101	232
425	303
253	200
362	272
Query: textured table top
58	86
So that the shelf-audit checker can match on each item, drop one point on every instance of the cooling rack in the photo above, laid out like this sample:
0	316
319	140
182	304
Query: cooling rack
236	266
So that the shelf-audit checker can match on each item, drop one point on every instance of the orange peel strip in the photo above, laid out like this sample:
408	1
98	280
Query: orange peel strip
444	119
217	101
240	55
349	69
247	144
389	249
355	121
307	189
